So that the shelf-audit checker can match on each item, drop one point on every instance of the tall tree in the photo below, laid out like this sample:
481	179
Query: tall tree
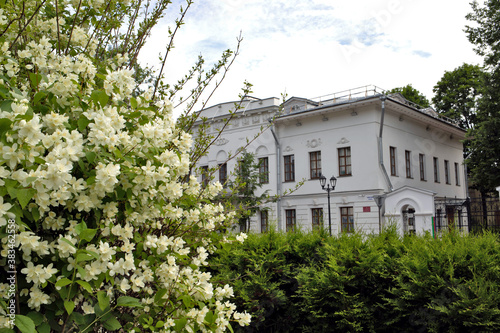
484	160
412	94
457	94
243	190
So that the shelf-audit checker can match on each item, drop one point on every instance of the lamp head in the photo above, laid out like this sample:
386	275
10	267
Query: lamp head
322	181
333	182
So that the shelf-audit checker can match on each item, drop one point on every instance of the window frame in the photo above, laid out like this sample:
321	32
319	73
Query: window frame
393	161
223	173
421	162
315	164
347	226
289	168
447	172
408	164
290	219
317	218
457	174
264	221
263	170
435	163
345	154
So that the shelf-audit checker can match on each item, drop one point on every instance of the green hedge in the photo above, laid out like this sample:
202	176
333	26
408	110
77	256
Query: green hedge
310	282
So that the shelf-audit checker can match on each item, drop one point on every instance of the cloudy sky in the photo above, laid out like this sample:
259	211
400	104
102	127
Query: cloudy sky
311	48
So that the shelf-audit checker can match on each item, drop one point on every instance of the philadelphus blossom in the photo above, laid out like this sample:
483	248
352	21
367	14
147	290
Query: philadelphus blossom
98	181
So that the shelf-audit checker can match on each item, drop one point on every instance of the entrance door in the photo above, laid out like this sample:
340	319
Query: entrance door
409	220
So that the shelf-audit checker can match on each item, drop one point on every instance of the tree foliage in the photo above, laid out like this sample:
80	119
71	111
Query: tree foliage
457	94
99	215
244	187
411	94
484	160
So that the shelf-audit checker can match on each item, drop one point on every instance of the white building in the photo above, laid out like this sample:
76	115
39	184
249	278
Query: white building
379	148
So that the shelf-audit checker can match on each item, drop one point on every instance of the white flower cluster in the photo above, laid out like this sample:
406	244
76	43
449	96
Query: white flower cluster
102	184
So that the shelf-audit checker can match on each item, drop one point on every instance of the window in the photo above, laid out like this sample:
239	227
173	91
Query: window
347	219
447	172
392	152
457	175
264	221
290	219
345	161
317	217
223	173
204	175
289	168
408	163
421	162
436	170
315	164
264	170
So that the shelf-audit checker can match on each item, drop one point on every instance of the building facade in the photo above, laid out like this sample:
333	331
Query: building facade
392	160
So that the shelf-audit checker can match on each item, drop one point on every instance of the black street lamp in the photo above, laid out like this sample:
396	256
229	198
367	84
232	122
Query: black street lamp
328	188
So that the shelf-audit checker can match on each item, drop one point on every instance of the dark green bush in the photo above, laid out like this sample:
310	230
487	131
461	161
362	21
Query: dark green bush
310	282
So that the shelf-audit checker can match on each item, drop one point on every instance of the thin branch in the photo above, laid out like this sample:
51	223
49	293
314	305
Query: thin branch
57	24
26	25
73	26
170	44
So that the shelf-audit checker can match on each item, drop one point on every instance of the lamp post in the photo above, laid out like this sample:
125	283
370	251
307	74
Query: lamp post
328	188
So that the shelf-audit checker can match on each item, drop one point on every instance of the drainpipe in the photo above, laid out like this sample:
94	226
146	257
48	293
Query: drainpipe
380	147
278	175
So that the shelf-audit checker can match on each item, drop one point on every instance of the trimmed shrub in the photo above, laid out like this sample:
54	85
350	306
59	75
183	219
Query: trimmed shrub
310	282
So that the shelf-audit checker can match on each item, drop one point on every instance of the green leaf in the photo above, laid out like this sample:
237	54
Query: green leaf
43	328
188	302
68	242
36	317
82	256
38	97
133	103
4	126
93	254
82	272
180	324
63	282
102	299
25	195
85	285
159	296
69	306
88	234
99	96
129	301
83	123
35	213
80	227
90	180
210	317
111	323
117	153
35	79
90	156
25	324
6	330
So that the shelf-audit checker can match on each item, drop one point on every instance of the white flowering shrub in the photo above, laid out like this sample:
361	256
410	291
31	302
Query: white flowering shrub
111	231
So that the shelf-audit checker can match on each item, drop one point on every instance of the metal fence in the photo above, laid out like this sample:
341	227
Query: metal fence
485	213
451	213
473	214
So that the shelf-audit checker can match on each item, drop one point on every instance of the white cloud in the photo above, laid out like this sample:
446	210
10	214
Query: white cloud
316	47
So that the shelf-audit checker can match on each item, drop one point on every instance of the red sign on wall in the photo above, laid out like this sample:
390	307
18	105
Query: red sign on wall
366	209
